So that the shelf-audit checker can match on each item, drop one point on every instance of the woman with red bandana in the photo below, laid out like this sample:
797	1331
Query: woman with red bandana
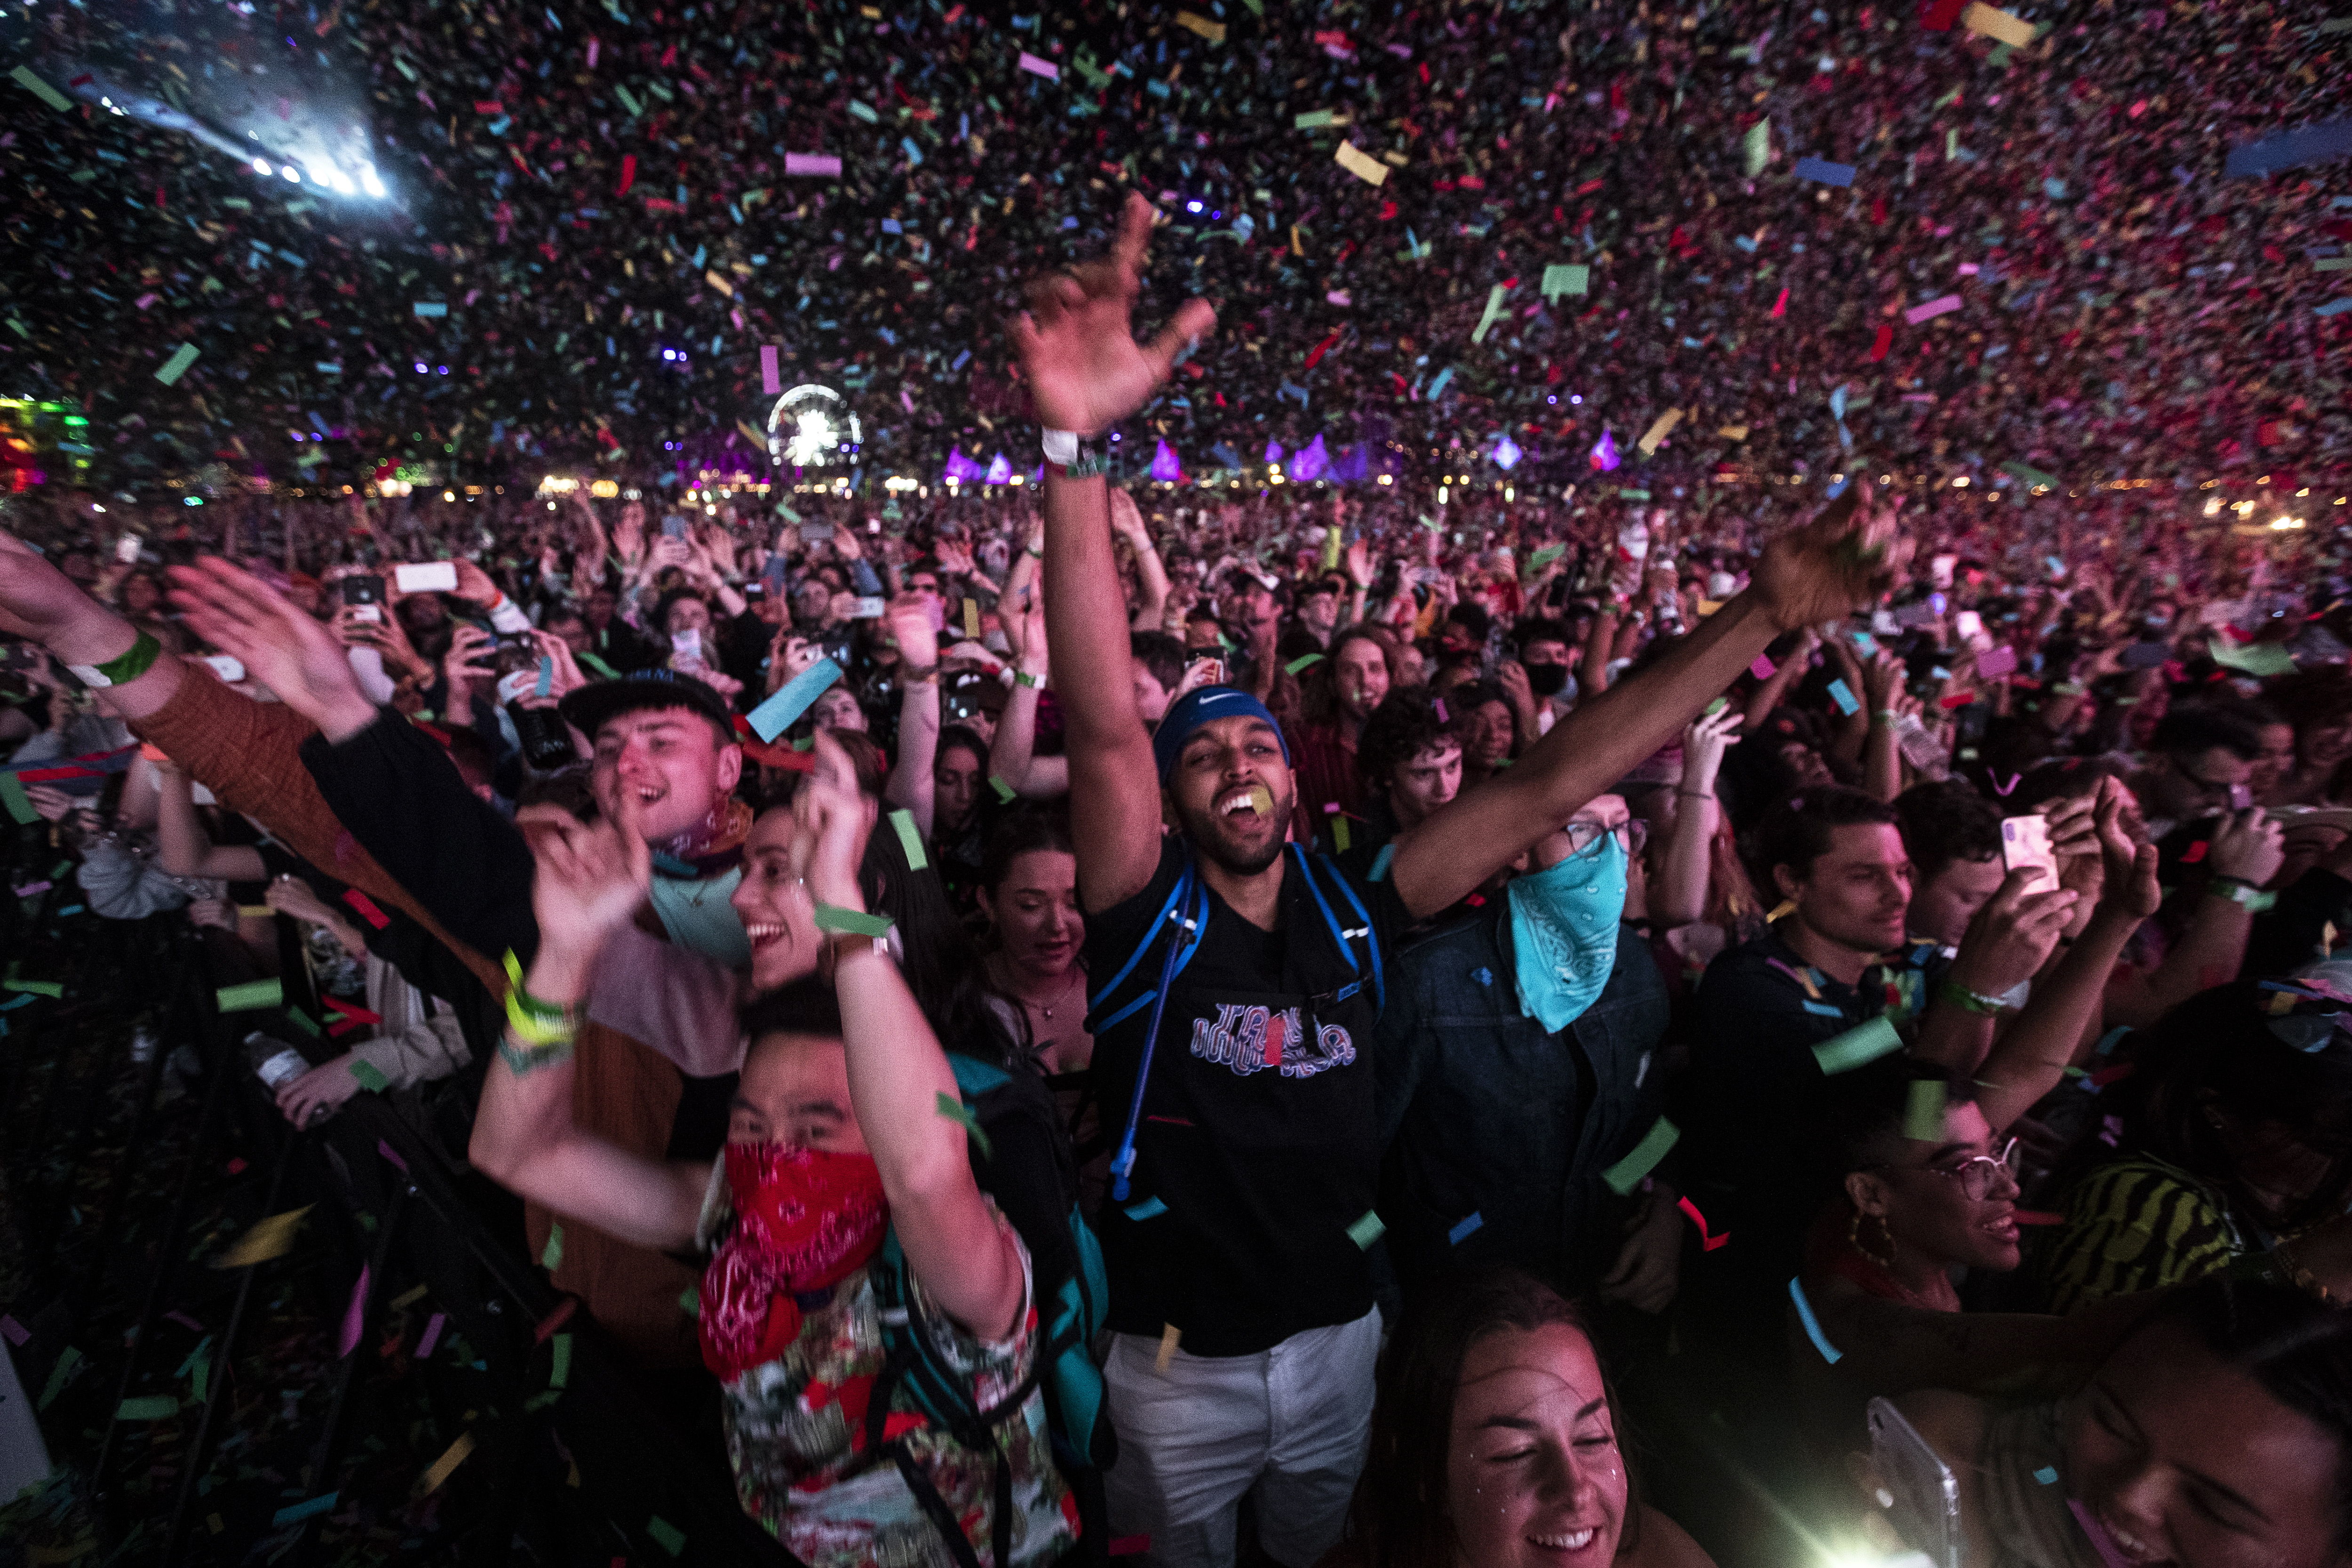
840	1144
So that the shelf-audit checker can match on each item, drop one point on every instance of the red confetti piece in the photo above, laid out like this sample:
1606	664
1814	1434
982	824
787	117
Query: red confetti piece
2194	853
1707	1243
367	909
628	172
1885	342
555	1319
2037	1217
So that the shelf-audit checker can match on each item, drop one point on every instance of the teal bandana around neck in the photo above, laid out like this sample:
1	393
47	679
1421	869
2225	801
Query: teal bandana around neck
1564	931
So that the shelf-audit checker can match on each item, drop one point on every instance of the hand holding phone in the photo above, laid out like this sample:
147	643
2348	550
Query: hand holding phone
431	577
1918	1489
2025	843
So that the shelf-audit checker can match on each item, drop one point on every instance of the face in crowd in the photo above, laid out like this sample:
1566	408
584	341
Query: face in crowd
673	759
1232	792
1858	891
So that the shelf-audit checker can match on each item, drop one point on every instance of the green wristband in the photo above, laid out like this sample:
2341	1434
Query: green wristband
123	667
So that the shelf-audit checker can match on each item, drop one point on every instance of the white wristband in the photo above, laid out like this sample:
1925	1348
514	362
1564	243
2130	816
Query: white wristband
1061	447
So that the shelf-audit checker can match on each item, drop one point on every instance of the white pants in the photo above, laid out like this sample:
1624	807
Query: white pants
1291	1423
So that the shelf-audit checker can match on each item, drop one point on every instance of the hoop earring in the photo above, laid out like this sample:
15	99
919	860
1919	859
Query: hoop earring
1853	1239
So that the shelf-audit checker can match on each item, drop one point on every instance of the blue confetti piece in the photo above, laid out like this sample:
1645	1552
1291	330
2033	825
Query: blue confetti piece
777	713
1830	1352
1463	1231
546	675
1149	1208
431	308
1821	1010
1380	862
1824	171
2334	308
1843	695
300	1511
2047	1475
2311	145
552	20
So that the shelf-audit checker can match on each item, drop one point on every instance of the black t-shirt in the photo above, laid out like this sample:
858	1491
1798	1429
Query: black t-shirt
1251	1162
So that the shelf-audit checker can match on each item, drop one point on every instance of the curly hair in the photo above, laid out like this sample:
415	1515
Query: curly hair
1402	728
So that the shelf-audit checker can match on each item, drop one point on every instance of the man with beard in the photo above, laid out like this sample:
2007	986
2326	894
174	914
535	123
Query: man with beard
1239	978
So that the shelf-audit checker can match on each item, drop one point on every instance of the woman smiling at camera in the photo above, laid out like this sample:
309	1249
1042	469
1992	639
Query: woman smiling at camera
1494	1445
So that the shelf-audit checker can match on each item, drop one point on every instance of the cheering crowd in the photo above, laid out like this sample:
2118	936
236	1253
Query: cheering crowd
1266	1031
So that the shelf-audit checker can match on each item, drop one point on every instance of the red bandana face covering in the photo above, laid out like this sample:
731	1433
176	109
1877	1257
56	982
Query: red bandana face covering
804	1220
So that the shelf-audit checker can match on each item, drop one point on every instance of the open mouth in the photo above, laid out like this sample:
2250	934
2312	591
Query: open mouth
2001	1226
765	933
1255	799
1567	1540
2130	1545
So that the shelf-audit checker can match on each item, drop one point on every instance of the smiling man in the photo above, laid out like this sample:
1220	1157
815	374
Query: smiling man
1240	977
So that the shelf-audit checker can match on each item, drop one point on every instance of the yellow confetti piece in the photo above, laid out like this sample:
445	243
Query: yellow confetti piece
1733	432
972	619
1660	428
451	1457
1781	910
1369	169
1213	31
1262	800
268	1238
712	278
1997	24
1168	1338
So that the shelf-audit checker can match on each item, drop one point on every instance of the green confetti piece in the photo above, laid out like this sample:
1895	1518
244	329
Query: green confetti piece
20	804
150	1407
35	987
560	1373
1923	1112
59	1375
250	997
31	82
551	1257
200	1379
1304	661
369	1077
955	1110
689	1301
1367	1230
1565	277
1494	297
1546	556
672	1538
172	369
1858	1047
542	1399
1632	495
832	917
910	839
1004	792
1627	1173
1718	706
301	1021
2031	476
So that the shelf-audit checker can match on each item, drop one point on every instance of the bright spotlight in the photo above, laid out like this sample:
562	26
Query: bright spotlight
369	183
291	174
261	166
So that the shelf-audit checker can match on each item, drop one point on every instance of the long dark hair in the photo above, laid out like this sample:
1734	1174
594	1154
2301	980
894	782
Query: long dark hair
1398	1518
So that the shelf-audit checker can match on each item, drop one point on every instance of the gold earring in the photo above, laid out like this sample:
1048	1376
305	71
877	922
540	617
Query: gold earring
1853	1239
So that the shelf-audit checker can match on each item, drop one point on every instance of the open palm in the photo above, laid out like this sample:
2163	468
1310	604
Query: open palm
1085	370
285	649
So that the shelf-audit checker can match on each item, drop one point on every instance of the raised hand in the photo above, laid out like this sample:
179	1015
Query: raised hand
909	619
834	818
1843	559
1704	743
280	646
1077	347
590	877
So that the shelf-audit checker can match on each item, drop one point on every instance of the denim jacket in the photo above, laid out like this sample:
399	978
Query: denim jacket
1484	1118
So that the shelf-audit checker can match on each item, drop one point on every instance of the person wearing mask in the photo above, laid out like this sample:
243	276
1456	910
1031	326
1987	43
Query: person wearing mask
1540	684
2202	756
841	1197
1231	1030
1497	1442
1340	692
1516	1067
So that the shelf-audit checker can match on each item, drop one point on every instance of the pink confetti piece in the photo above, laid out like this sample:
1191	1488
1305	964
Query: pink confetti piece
1046	69
12	1330
1763	668
144	300
432	1335
771	381
30	888
391	1156
354	1315
591	54
812	163
1932	309
184	1320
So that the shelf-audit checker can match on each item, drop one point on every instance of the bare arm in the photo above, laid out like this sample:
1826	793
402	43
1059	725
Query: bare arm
1679	896
524	1138
1833	561
182	848
919	708
1084	370
2213	949
1012	755
898	1077
1153	577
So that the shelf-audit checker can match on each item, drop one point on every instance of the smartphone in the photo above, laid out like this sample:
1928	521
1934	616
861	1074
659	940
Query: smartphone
1940	570
362	590
687	644
2025	843
673	527
1916	1487
870	609
816	533
2240	797
1967	624
433	577
1208	671
126	549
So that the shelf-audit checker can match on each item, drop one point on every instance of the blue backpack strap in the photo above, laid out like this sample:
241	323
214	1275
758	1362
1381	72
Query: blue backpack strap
1151	935
1179	954
1340	936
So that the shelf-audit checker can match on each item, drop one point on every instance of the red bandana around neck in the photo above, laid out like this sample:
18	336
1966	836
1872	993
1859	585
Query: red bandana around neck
804	1220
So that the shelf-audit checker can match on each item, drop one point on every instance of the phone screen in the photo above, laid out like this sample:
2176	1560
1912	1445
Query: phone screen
126	549
431	577
2025	842
1916	1487
674	528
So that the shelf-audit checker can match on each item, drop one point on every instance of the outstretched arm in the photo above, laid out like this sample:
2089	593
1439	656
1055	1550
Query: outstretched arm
1085	370
1811	574
910	784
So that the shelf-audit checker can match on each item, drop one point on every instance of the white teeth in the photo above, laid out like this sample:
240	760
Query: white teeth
1235	801
1574	1541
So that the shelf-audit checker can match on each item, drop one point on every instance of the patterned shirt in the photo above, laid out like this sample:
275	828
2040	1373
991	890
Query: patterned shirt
795	1426
2136	1224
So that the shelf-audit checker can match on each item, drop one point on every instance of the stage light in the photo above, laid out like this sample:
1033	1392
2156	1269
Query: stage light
422	369
291	174
261	166
368	181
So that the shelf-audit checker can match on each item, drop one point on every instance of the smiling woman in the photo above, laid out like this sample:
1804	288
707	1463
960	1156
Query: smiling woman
1530	1469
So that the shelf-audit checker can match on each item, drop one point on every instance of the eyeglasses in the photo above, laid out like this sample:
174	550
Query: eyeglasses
1630	834
1978	1175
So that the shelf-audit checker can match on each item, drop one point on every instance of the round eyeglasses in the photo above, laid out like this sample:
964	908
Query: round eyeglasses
1632	834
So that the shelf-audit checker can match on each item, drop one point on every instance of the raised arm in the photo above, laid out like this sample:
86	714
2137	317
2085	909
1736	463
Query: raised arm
1844	557
1013	753
182	848
589	880
898	1079
1679	896
1151	602
909	783
1085	370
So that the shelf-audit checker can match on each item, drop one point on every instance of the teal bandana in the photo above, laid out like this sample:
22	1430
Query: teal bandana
1564	928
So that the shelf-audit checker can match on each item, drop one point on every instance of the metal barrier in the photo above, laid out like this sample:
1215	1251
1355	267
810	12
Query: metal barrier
404	1255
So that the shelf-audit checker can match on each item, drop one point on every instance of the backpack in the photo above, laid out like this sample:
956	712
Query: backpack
1069	1291
1188	908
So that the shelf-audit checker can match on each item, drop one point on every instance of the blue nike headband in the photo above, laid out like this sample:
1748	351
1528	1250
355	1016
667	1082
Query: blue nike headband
1200	706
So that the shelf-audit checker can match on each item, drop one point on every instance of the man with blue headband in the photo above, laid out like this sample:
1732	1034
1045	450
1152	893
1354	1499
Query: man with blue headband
1235	979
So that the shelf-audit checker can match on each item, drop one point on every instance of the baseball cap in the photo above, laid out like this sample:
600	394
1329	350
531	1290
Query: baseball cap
590	708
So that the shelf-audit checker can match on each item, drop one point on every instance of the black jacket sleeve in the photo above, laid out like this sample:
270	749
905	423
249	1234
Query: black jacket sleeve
399	795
